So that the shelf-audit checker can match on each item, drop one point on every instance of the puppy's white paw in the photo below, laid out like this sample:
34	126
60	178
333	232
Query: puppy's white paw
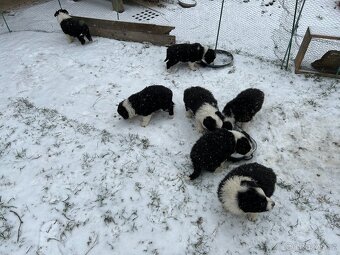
145	120
252	216
192	66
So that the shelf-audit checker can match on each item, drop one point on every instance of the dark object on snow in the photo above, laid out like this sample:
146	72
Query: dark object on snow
328	63
73	27
215	147
236	157
244	106
190	53
187	3
223	59
247	190
145	102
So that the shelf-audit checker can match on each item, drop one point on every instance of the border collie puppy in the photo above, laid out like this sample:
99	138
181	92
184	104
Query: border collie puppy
146	102
215	147
201	102
191	53
72	27
247	190
243	107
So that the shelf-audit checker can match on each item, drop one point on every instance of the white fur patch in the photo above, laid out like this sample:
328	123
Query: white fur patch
129	108
205	48
229	192
269	204
62	16
237	134
207	110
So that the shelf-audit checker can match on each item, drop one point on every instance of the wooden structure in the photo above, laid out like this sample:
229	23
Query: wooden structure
129	31
118	6
310	34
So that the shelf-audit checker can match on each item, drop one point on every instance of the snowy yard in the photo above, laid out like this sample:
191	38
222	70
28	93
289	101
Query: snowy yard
77	179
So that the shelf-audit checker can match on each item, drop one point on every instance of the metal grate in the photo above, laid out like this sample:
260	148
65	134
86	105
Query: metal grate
145	15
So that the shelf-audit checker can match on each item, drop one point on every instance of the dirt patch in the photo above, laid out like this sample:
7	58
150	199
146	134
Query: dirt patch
6	5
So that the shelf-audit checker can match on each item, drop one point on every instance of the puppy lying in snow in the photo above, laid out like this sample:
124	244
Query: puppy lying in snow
190	53
247	190
201	103
72	27
146	102
243	107
215	147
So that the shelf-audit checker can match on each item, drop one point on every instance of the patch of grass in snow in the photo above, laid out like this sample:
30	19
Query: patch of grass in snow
302	198
6	226
333	220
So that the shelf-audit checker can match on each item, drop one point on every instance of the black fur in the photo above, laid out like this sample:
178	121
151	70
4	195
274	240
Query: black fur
227	125
188	53
74	27
195	97
245	105
122	111
211	150
148	101
262	177
251	201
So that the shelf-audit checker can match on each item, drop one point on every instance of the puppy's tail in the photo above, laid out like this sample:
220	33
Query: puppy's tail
195	174
167	58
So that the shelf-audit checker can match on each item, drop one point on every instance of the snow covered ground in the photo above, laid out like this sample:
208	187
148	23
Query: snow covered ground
77	179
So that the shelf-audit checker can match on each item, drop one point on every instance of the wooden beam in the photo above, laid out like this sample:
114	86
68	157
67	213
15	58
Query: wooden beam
309	71
129	31
302	50
122	25
118	6
134	36
309	35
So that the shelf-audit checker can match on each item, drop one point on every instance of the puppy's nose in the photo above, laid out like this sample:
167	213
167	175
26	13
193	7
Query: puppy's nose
273	203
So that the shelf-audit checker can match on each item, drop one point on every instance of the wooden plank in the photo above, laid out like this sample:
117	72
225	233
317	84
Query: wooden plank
329	37
302	50
322	32
309	71
118	6
135	36
122	25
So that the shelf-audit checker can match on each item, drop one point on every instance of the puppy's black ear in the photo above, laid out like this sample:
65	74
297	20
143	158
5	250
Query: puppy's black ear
227	111
249	183
122	111
64	11
209	56
227	125
243	146
220	115
209	123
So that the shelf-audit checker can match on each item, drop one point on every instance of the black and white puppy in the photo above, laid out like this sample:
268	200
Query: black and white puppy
72	27
247	190
201	103
215	147
146	102
243	107
190	53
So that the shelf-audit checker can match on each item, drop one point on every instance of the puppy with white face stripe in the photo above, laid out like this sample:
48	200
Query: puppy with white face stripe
145	102
201	103
247	190
243	107
215	147
191	53
72	27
